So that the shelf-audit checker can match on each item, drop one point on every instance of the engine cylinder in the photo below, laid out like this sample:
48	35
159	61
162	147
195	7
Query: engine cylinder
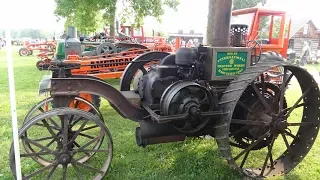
185	56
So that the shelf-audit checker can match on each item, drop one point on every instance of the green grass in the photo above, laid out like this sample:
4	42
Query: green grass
192	159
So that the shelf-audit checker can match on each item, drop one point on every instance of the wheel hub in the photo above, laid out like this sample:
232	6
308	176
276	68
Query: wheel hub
281	126
64	159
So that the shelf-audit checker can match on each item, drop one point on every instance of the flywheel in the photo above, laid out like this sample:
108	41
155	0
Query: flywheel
185	96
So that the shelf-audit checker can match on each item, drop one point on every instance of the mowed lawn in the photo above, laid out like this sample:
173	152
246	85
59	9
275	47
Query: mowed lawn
193	159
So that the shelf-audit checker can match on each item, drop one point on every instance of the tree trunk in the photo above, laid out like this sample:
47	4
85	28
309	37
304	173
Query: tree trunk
112	22
112	32
210	23
221	25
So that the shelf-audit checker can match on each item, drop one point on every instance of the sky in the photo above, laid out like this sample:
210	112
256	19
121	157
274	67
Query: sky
191	14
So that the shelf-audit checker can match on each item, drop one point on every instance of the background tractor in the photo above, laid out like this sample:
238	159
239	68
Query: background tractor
42	47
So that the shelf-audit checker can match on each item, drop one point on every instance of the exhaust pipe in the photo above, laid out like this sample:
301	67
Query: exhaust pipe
155	133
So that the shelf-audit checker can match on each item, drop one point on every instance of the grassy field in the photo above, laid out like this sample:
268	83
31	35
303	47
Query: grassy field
192	159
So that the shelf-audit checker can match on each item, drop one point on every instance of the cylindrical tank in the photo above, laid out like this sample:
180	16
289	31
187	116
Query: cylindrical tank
72	43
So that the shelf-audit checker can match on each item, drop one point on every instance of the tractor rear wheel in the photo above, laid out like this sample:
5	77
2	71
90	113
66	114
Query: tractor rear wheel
24	52
268	129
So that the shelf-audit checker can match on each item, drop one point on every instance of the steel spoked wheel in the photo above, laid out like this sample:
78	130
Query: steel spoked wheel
67	149
45	105
106	48
271	127
134	71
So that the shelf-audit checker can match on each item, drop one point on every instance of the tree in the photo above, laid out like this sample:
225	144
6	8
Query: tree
241	4
84	14
210	23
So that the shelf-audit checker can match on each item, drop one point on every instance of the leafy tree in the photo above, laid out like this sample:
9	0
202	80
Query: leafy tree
80	13
84	14
241	4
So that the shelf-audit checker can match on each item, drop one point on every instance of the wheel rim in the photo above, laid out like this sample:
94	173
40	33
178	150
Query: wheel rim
45	105
40	65
106	48
81	104
64	152
284	141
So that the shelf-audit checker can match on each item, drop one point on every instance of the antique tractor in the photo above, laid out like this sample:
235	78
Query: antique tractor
262	128
42	47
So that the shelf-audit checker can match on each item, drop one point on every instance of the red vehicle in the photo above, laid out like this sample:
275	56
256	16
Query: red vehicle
42	47
264	30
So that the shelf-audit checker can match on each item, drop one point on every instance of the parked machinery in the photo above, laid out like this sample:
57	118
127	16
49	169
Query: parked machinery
86	50
42	47
219	91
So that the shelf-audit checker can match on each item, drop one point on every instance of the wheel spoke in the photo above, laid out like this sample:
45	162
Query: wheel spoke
302	124
52	127
88	143
252	145
50	119
85	135
34	154
298	101
65	132
52	171
244	159
286	81
269	156
262	99
76	121
77	171
283	89
240	130
44	138
245	106
299	105
78	131
251	122
37	144
87	167
93	150
263	84
78	145
39	171
48	145
64	172
144	71
290	134
91	127
286	142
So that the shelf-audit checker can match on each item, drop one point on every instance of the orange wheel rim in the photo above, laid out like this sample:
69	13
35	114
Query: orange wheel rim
82	105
